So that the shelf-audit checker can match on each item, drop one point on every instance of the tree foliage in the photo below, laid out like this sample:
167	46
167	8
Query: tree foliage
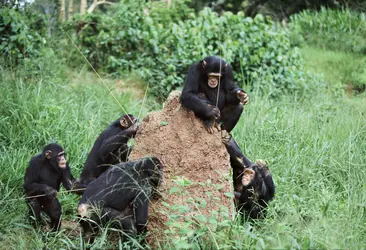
22	34
136	36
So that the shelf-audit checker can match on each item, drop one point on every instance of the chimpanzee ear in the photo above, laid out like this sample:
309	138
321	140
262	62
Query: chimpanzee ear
48	154
123	122
248	176
204	64
225	66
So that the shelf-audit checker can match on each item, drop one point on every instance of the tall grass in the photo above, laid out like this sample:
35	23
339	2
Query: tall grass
34	112
316	152
315	149
341	70
343	30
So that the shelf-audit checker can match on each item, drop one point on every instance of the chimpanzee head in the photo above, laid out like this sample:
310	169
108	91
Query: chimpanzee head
127	121
256	191
214	68
152	168
56	155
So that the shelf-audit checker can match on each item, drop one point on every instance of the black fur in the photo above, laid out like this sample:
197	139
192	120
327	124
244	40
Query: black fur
109	148
44	177
252	199
121	194
201	99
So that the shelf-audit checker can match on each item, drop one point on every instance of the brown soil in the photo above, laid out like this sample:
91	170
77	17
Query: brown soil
188	151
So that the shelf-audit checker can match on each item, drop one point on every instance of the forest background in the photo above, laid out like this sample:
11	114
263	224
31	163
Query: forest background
303	64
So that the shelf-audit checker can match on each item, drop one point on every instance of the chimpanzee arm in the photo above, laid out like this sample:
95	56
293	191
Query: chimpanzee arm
31	186
67	178
231	88
237	158
141	210
115	142
189	97
247	206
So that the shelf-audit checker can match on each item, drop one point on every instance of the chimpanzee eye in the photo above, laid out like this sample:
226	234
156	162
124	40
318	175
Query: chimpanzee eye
63	154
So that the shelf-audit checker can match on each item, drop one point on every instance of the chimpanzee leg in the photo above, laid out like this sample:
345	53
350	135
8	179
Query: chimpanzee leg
90	230
123	219
141	213
230	115
34	211
52	208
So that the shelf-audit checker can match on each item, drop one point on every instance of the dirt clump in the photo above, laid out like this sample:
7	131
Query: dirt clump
179	139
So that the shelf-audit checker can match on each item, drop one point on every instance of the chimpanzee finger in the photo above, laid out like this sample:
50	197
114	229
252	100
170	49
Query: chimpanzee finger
216	112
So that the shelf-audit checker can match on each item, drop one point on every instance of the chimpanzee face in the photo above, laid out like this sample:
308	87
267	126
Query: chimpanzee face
61	159
56	155
255	174
214	68
213	79
127	121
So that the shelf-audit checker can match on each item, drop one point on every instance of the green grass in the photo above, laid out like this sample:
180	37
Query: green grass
35	112
340	69
342	30
315	148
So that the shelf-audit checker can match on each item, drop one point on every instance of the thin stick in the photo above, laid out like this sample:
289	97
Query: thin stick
218	87
105	85
143	101
41	195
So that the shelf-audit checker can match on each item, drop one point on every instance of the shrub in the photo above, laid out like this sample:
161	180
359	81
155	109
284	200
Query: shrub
343	30
129	38
22	34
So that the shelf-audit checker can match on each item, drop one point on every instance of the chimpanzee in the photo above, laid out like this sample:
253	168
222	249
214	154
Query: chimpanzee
210	92
253	183
109	148
43	177
122	195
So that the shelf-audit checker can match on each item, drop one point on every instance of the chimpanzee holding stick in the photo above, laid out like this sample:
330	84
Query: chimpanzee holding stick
210	92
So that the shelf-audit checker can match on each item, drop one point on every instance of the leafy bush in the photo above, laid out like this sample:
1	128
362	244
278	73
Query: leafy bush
129	38
343	30
26	44
22	34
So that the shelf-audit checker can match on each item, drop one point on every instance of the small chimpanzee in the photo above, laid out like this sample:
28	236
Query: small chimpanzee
210	92
43	177
253	183
122	195
109	148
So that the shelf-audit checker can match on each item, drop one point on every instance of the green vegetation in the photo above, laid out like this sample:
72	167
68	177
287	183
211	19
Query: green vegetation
341	69
314	147
160	51
333	29
333	43
313	140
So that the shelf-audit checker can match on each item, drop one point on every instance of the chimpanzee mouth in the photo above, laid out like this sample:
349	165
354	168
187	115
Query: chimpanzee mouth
62	164
213	85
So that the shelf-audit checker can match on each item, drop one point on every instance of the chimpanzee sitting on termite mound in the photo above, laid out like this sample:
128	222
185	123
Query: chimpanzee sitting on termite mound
210	92
110	148
253	183
43	178
121	195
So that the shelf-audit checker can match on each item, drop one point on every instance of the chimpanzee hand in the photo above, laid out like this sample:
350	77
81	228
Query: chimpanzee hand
214	112
242	96
210	125
225	137
133	129
51	192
